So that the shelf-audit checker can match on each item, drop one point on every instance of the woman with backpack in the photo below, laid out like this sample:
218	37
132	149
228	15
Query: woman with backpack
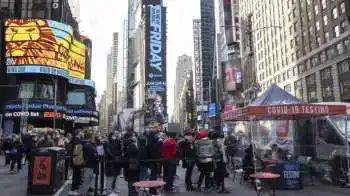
77	164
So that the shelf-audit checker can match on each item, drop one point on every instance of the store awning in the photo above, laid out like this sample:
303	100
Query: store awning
284	111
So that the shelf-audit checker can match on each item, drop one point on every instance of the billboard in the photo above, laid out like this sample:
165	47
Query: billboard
44	43
212	110
155	70
233	77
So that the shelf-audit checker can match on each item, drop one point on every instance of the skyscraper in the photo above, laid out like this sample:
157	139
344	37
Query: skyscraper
184	66
207	10
303	46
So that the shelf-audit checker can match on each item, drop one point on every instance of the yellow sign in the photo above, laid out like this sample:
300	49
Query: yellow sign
45	43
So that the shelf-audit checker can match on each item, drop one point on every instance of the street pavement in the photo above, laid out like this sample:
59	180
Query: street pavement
16	185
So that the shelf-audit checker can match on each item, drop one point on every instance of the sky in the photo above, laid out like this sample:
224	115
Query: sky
99	20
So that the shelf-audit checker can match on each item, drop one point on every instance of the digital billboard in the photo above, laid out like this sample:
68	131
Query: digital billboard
43	43
155	70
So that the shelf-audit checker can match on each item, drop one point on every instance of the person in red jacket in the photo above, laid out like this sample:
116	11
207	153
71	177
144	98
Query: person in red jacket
168	152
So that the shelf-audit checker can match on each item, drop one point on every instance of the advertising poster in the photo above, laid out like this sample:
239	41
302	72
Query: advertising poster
155	71
42	170
45	43
291	177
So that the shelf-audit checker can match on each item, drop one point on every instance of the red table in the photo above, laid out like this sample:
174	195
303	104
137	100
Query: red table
266	176
144	185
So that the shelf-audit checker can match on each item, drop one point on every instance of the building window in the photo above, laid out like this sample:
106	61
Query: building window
336	31
335	13
342	8
327	84
309	16
317	25
344	26
316	9
311	88
45	90
324	4
301	68
340	48
318	41
288	88
326	37
298	89
26	90
344	66
325	20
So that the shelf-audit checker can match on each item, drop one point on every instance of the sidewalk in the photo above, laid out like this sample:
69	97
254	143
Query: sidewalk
16	185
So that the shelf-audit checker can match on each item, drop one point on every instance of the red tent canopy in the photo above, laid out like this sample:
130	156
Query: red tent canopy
284	111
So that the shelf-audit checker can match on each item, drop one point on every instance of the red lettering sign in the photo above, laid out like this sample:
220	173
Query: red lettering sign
42	170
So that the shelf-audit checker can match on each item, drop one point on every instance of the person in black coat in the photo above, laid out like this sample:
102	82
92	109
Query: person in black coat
131	153
17	154
7	147
114	156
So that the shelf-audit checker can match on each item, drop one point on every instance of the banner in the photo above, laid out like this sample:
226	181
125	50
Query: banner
42	170
155	71
39	42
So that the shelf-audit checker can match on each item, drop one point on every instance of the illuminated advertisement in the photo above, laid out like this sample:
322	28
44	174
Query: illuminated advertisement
42	170
39	42
40	109
233	77
156	111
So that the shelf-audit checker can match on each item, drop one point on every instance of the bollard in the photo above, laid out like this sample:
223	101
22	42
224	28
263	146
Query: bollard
96	179
102	175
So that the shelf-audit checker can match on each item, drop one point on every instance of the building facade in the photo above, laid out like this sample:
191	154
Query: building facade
303	46
184	65
46	86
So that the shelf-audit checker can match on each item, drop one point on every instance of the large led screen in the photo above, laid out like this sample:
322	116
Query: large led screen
44	43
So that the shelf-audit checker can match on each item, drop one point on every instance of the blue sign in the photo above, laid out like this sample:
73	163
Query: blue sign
290	175
212	110
38	69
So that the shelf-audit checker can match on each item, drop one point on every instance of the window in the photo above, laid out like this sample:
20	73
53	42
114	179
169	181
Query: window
325	20
335	13
344	26
327	133
26	90
336	31
45	90
326	74
316	9
288	88
317	25
76	97
318	41
340	48
309	15
326	37
311	88
324	4
298	88
342	8
323	57
344	66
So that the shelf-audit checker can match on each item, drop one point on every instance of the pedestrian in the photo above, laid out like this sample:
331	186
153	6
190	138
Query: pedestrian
143	156
7	147
188	154
113	157
28	146
154	144
131	169
220	161
90	166
168	151
17	154
231	145
77	164
204	153
248	162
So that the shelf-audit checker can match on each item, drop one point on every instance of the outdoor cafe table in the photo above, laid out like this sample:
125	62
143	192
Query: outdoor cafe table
143	186
266	176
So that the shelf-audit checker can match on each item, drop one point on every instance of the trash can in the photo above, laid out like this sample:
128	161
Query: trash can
46	171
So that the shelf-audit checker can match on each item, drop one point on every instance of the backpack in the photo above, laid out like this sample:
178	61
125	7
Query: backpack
78	155
205	149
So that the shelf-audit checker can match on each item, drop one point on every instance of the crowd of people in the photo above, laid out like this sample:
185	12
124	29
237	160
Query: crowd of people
138	157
